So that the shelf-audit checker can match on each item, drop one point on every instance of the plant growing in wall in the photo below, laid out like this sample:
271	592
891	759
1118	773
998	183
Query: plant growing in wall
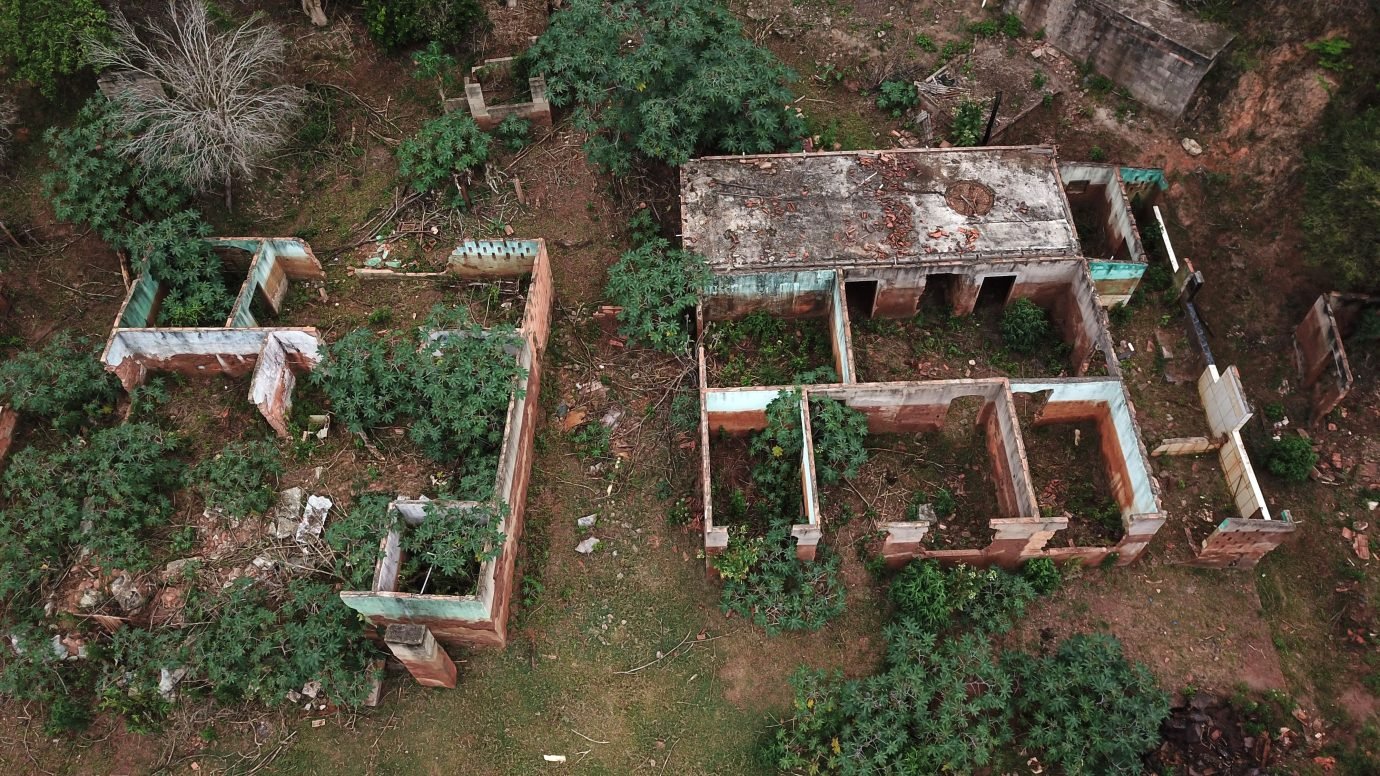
775	452
354	538
446	153
968	122
655	286
1024	326
840	435
692	84
173	251
444	552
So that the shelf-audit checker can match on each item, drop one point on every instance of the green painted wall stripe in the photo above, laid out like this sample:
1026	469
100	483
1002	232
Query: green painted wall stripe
1135	175
1115	270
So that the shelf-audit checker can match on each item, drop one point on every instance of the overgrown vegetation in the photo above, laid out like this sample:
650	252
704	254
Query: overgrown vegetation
840	435
239	479
1291	458
1024	326
443	552
692	84
64	383
445	153
897	97
765	349
41	39
656	286
451	390
397	24
138	209
946	701
1342	203
969	121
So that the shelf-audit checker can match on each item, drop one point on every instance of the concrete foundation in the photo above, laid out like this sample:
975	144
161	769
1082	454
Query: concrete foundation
1319	351
536	109
417	650
480	619
1156	50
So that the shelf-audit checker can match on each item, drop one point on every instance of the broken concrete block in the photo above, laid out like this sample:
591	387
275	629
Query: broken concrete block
311	689
416	648
587	546
286	513
313	518
587	521
90	599
168	681
127	594
175	567
1191	146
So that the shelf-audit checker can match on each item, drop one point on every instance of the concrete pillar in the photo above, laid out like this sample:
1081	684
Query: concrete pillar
419	653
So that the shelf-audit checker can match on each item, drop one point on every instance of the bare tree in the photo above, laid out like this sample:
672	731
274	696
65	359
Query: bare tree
214	118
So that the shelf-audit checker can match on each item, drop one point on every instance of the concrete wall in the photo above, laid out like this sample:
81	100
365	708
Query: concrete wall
1098	198
1156	50
482	620
1321	358
536	109
276	261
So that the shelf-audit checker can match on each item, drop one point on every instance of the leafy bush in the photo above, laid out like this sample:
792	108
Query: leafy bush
840	436
514	132
775	451
1042	575
450	544
94	182
42	38
942	706
239	479
921	595
354	539
259	645
591	440
396	24
173	251
897	97
739	557
102	492
64	383
655	285
934	598
1086	710
1332	53
969	121
782	593
1008	25
441	153
453	390
1024	326
1291	458
1342	202
692	84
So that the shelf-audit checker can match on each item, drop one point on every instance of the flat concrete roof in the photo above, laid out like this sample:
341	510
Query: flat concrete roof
869	208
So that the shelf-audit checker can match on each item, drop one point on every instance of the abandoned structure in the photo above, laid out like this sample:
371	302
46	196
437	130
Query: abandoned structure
275	356
1157	51
852	237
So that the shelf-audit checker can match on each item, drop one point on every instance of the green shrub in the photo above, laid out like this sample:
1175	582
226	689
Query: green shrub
354	539
1341	216
396	24
173	251
692	84
1086	710
64	383
685	411
1274	411
897	97
259	644
782	593
969	122
775	452
840	435
1042	575
1024	326
739	556
453	390
239	479
451	543
102	492
514	132
921	595
591	440
443	152
1332	53
943	502
1291	458
656	285
95	183
926	43
43	38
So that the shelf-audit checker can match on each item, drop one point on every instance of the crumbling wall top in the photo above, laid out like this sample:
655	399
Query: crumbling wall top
860	208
